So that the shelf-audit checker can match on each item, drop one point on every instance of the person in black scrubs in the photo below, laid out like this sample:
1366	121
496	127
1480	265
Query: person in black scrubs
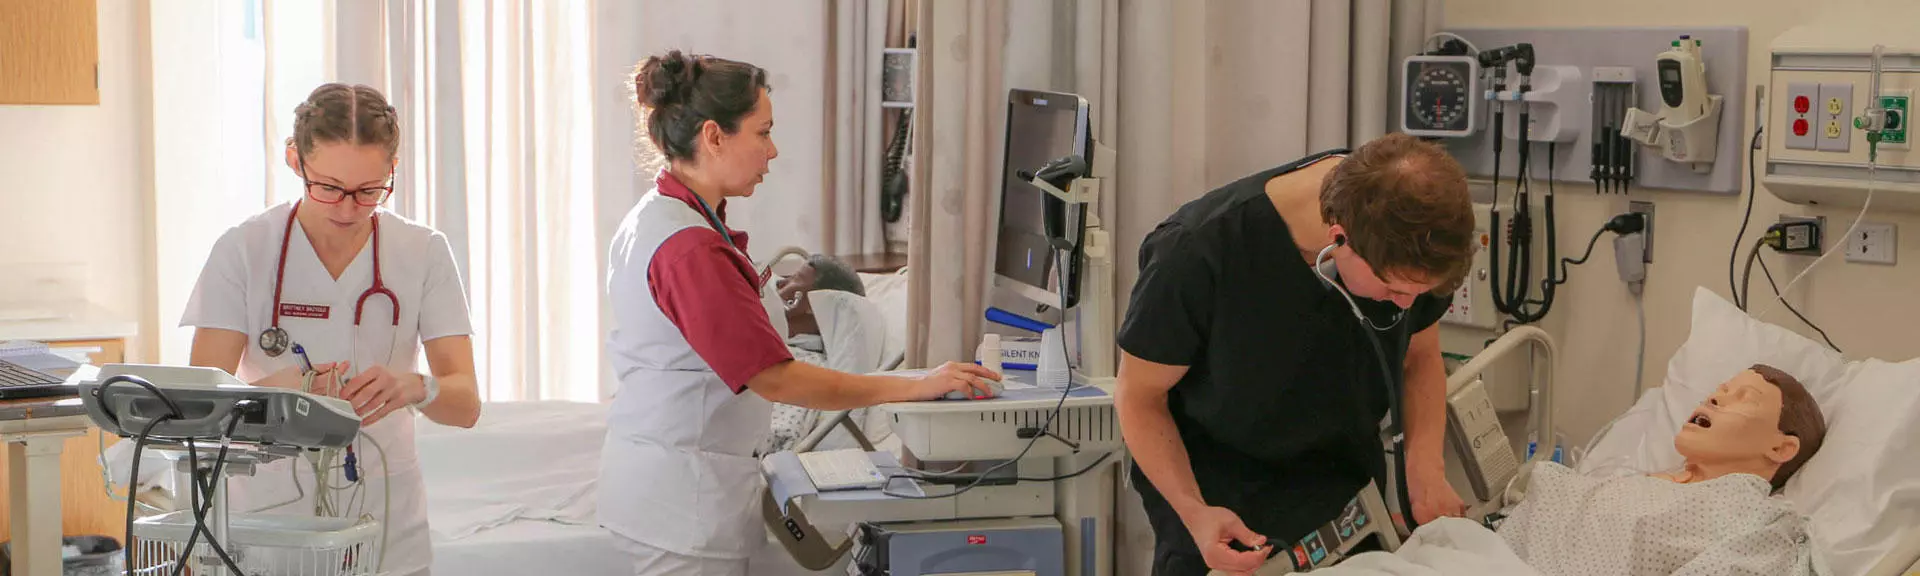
1249	395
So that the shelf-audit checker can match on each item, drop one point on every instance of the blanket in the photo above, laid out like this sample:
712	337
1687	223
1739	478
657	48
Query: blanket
1574	525
1444	547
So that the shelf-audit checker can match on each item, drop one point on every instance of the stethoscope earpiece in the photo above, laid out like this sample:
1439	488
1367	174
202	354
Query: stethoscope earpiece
1327	274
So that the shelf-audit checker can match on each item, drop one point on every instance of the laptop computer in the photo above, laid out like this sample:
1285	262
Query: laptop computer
36	374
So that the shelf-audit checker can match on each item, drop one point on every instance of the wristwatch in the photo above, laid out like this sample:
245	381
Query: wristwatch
433	390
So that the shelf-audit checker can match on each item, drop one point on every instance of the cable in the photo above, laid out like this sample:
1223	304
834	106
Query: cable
1741	297
386	502
197	489
1077	473
1745	288
139	444
1564	262
1753	189
1468	43
1640	360
1837	247
106	480
1796	312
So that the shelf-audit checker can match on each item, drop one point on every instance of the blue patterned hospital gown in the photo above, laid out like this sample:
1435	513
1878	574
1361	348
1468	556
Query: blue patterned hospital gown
1639	525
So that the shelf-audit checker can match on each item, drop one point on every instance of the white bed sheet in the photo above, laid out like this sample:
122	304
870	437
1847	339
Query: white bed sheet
523	547
1444	547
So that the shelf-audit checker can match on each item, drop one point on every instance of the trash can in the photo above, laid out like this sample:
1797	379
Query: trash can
83	556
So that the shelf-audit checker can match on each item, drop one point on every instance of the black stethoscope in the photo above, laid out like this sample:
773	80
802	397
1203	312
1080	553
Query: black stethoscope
714	221
1386	377
274	340
1319	269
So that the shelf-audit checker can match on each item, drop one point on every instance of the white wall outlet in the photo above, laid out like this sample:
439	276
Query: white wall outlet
1872	243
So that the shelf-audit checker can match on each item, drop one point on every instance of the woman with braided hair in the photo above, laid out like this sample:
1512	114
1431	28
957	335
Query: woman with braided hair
333	285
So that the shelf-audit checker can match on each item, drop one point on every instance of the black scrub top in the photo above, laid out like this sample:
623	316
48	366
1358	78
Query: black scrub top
1281	406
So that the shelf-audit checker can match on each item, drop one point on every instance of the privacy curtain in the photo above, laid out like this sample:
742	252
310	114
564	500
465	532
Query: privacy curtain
863	134
497	112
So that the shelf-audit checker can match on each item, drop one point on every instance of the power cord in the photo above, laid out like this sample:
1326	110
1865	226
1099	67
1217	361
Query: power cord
195	488
1753	189
1776	238
1622	224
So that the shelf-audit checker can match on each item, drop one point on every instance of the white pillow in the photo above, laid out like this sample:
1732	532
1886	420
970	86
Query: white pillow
852	329
1863	486
1860	489
889	291
1724	341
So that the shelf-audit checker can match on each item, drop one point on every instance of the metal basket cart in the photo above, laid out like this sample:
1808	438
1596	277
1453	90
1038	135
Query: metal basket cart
262	545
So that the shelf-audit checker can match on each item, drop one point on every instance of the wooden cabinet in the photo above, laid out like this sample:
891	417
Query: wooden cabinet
49	52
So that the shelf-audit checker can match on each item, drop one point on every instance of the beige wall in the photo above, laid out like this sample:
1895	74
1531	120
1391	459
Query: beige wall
1594	318
73	189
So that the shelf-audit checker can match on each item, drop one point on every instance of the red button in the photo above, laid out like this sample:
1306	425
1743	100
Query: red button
1800	127
1801	104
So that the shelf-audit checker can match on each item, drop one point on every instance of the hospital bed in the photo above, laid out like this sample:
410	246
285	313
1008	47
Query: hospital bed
1860	492
514	494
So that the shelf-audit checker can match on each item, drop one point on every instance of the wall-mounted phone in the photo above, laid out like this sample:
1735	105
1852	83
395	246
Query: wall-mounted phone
1473	427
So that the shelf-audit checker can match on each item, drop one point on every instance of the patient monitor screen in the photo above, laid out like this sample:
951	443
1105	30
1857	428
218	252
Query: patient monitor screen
1041	127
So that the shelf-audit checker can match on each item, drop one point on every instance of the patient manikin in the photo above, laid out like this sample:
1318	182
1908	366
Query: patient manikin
822	287
1716	514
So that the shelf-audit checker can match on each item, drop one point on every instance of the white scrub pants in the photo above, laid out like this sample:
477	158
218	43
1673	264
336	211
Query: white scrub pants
651	561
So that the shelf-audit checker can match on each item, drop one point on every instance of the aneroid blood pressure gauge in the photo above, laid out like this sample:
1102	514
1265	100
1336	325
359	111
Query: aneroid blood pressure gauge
1440	96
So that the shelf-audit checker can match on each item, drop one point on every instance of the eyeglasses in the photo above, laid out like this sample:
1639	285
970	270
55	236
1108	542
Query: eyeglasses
330	194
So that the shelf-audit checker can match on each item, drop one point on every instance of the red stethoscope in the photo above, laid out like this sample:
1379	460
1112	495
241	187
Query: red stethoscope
274	340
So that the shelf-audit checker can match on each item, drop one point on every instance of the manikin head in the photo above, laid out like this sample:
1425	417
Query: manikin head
1762	421
820	273
1401	217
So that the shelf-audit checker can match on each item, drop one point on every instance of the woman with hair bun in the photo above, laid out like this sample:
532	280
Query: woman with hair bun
699	337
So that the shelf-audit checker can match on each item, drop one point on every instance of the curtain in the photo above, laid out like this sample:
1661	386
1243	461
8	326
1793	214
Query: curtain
497	114
861	131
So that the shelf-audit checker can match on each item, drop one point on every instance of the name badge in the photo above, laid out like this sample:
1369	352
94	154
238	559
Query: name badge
304	311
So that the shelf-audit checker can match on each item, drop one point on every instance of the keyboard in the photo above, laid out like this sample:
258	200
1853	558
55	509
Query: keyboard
14	376
846	469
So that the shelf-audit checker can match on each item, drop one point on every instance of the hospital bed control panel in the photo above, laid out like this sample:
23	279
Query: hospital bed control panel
1362	526
1485	451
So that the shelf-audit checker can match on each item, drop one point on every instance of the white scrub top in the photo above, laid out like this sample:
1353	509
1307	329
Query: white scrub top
236	292
678	470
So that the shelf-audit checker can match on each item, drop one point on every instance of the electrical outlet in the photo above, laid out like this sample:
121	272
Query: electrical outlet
1872	243
1643	207
1803	101
1836	117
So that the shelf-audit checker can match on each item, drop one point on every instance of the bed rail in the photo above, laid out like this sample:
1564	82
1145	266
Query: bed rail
1540	384
1540	397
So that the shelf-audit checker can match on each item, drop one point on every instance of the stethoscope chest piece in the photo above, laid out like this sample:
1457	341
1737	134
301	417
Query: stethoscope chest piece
273	341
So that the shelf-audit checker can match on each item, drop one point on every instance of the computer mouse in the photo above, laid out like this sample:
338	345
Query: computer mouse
994	385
